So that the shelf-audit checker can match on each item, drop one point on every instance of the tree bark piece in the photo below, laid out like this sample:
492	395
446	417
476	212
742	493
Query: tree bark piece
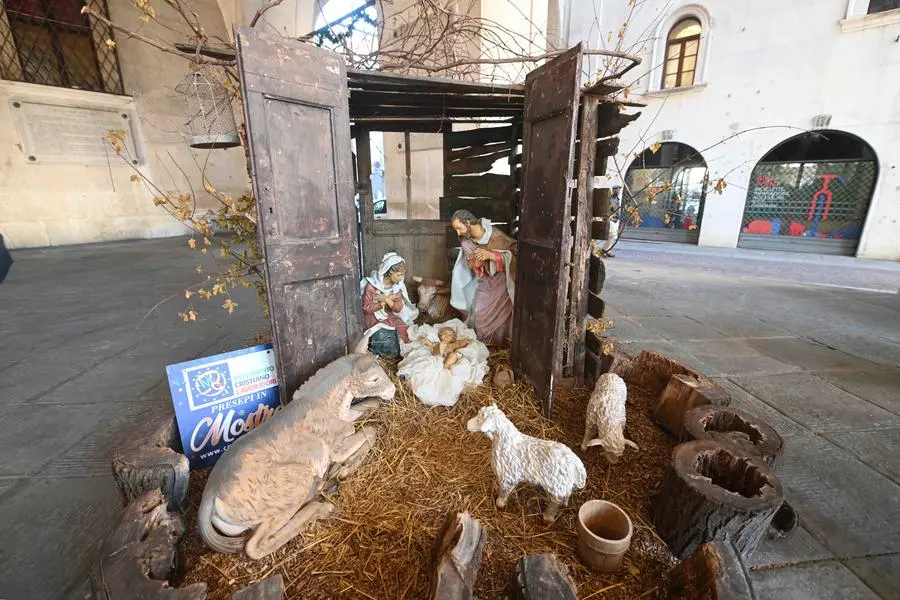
457	558
270	588
736	427
138	558
152	459
682	393
713	572
653	370
713	491
543	577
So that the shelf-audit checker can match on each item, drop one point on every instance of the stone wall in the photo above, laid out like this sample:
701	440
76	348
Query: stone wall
49	204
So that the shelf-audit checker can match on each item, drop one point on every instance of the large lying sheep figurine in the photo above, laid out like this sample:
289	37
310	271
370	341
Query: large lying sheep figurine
518	458
604	421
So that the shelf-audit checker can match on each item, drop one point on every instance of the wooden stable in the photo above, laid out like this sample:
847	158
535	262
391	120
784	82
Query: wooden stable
301	109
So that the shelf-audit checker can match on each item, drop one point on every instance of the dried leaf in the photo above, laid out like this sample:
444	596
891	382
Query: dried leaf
192	243
209	188
720	186
654	148
230	305
138	178
188	293
110	43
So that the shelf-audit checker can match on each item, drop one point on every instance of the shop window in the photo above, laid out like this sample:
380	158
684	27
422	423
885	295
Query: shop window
682	53
50	42
665	189
813	187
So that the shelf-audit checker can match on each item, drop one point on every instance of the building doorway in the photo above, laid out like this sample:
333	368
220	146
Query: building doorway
810	193
664	194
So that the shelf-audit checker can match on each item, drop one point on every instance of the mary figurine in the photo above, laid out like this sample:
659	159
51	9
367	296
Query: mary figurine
387	309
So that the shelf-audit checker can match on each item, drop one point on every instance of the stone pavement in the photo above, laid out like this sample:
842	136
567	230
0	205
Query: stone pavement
80	366
818	361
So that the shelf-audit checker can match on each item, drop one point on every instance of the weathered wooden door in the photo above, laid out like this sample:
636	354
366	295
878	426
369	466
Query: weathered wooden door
548	146
298	126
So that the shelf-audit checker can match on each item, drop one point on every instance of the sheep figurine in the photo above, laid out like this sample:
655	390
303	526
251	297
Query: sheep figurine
518	458
605	418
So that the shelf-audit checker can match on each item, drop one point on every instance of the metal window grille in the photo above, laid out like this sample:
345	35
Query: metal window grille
50	42
809	200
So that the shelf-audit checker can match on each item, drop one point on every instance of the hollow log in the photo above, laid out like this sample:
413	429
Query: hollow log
152	459
543	577
457	558
653	370
270	588
138	558
713	572
752	435
682	393
713	491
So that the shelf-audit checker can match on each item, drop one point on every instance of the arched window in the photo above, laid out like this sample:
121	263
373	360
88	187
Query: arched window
682	50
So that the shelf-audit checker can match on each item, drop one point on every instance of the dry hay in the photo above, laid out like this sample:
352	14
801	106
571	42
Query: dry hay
380	543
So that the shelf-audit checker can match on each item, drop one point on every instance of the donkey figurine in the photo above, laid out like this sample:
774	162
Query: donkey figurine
269	479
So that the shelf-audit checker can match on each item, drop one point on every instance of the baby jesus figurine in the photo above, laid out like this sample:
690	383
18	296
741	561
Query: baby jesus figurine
447	346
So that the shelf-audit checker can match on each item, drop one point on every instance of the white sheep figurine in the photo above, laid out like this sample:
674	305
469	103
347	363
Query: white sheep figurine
518	458
604	421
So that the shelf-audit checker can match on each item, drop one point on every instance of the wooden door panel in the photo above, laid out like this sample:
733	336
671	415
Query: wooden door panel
298	124
551	105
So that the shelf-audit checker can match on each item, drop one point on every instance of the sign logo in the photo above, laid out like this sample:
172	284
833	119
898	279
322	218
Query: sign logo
220	398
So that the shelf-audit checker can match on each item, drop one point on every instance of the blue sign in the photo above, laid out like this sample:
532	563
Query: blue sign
219	398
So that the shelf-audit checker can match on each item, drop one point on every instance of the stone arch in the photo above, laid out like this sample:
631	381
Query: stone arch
810	193
664	194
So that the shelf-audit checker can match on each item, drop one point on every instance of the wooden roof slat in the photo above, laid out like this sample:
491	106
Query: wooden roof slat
370	80
369	98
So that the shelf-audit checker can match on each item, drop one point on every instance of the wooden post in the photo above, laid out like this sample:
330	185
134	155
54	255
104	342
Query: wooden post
581	252
148	460
457	558
543	577
682	393
713	491
366	203
408	157
713	572
138	558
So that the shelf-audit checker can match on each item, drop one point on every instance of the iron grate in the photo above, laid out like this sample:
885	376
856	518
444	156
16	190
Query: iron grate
50	42
809	199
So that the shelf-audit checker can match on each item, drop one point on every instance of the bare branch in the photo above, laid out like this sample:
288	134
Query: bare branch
263	10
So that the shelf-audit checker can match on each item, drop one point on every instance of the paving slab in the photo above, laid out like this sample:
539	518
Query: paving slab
679	328
880	573
32	436
627	330
51	529
798	547
822	581
878	386
738	325
878	449
729	365
809	355
742	400
816	403
9	483
846	505
672	350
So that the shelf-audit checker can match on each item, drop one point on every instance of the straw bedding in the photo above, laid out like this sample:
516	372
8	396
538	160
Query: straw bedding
380	543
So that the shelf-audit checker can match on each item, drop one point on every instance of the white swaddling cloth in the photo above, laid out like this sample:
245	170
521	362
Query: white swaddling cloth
430	381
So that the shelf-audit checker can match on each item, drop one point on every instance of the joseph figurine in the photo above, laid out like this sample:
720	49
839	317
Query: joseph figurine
483	283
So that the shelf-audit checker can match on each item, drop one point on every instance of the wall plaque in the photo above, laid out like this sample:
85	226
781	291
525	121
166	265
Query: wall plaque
53	133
